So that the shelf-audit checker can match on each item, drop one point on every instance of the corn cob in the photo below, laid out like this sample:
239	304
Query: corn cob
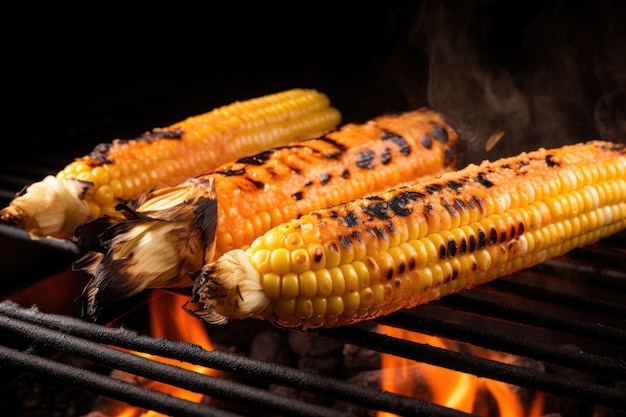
171	231
91	186
414	244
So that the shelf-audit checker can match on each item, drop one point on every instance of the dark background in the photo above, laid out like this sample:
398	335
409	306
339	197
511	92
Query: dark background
542	72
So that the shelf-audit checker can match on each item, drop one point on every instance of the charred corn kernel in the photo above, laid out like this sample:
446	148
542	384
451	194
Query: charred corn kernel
503	235
300	261
260	191
333	254
294	241
167	156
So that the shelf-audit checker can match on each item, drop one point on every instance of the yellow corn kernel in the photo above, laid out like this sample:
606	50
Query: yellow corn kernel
308	284
351	302
324	282
271	282
300	261
339	284
290	286
320	306
333	254
304	309
335	305
285	308
279	261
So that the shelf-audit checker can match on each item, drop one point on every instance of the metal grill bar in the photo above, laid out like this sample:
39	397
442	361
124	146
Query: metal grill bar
506	287
105	385
599	365
459	361
158	371
36	326
506	312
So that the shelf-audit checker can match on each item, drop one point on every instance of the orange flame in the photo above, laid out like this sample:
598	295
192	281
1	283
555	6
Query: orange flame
446	387
168	320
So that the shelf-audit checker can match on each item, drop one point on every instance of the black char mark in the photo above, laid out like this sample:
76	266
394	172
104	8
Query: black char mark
162	134
456	186
482	239
297	196
378	210
257	184
100	150
451	209
350	219
399	141
258	159
232	172
452	247
493	236
482	180
340	149
385	157
433	188
427	141
551	162
440	133
397	205
365	159
479	203
324	178
345	241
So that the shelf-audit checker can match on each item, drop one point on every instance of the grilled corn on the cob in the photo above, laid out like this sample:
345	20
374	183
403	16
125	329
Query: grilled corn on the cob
171	231
414	244
92	185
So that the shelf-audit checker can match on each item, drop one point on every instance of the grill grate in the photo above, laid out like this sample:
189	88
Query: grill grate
515	315
83	339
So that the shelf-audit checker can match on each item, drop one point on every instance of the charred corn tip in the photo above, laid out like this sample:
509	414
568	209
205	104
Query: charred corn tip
57	206
149	252
228	289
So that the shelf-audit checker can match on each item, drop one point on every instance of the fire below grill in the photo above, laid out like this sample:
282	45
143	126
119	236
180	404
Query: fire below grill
566	315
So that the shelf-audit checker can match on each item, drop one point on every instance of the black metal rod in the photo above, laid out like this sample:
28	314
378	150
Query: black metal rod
363	396
502	311
107	386
460	361
535	293
158	371
596	364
